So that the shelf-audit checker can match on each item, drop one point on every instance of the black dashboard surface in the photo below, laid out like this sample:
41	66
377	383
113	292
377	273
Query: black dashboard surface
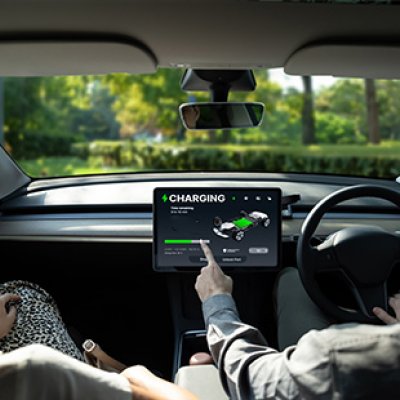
119	208
136	190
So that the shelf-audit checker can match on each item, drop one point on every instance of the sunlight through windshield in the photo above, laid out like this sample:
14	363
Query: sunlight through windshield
74	125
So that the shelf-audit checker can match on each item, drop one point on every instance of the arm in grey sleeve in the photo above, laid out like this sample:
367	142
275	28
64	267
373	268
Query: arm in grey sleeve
249	368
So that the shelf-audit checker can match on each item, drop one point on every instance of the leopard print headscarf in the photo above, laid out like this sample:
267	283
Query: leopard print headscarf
38	321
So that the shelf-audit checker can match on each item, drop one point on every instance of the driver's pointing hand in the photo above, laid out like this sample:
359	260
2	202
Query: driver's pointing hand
212	280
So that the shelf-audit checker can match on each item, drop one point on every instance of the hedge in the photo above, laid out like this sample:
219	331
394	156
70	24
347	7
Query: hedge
26	146
250	158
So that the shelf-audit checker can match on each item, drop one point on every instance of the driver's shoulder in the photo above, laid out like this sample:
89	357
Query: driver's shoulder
350	334
323	346
344	353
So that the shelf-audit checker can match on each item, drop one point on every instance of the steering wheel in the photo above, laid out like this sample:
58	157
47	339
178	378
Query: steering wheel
364	255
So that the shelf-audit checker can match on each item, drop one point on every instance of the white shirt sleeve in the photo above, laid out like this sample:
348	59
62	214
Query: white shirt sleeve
40	372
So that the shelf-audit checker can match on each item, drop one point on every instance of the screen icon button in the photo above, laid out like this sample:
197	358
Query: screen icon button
258	250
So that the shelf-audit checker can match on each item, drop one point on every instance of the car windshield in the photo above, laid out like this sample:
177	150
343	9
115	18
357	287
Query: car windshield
79	125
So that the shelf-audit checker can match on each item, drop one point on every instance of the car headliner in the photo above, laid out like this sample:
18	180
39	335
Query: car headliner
43	37
200	33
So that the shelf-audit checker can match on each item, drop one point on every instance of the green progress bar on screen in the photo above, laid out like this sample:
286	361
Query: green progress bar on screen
184	241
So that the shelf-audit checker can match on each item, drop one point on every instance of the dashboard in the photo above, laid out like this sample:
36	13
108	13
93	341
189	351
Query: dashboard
91	233
120	209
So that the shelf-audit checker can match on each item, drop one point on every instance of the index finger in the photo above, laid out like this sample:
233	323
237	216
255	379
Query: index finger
384	316
207	252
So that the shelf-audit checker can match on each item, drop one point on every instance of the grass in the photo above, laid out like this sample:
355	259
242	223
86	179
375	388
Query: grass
67	166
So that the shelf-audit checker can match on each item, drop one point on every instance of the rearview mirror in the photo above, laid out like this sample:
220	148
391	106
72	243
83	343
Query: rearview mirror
221	115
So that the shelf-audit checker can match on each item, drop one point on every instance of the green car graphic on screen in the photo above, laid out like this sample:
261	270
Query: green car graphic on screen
236	227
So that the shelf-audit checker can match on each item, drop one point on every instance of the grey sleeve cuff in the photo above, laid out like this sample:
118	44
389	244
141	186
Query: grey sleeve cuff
218	303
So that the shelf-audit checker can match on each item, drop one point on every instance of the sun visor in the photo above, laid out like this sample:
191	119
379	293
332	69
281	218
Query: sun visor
46	58
360	61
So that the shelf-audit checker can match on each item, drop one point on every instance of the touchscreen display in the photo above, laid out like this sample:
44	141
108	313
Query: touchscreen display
241	226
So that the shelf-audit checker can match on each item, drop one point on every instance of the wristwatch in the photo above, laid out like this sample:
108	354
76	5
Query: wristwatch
97	357
89	345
